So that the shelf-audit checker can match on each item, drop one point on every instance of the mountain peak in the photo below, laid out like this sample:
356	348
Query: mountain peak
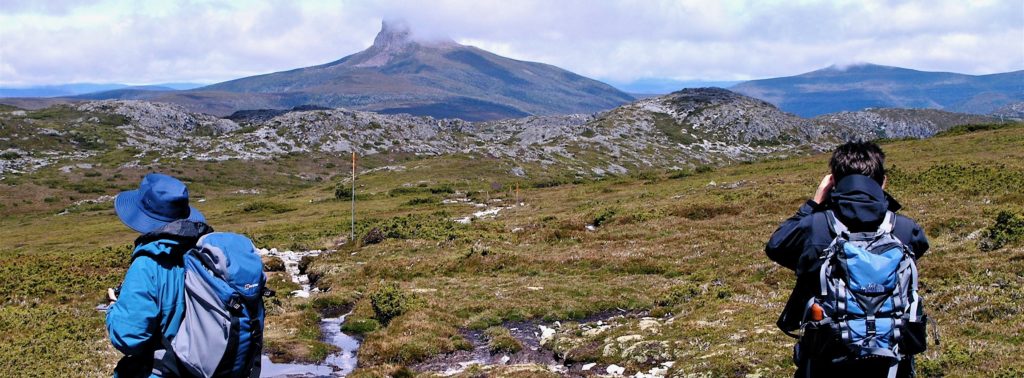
393	33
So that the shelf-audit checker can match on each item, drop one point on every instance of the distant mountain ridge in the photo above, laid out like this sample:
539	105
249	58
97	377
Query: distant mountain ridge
861	86
85	88
402	74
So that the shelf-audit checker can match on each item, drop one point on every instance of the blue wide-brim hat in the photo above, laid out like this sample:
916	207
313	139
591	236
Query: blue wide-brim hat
160	199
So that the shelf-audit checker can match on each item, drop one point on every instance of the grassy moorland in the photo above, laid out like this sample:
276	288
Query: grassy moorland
683	248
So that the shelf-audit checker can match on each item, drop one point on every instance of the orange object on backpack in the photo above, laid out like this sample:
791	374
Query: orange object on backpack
817	313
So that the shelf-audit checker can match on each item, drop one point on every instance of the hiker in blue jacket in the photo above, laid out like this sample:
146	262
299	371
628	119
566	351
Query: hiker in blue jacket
150	304
854	191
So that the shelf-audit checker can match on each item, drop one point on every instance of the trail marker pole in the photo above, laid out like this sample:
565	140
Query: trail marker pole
353	237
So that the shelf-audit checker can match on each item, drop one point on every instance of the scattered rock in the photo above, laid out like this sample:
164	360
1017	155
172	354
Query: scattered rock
650	324
546	334
615	370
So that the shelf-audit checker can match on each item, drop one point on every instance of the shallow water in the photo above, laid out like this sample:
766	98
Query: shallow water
337	364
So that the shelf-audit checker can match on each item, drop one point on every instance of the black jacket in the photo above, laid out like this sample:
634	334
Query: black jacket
860	203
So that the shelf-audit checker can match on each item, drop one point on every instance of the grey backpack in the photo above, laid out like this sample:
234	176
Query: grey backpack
868	298
221	334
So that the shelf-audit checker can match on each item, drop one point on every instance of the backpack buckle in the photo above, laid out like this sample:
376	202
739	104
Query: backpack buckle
235	303
869	325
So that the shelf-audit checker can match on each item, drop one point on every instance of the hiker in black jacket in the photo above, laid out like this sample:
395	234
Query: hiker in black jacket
854	192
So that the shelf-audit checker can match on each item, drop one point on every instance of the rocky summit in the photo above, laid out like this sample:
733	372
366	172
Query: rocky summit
402	73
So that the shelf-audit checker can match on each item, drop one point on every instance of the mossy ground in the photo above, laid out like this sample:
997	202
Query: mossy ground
687	248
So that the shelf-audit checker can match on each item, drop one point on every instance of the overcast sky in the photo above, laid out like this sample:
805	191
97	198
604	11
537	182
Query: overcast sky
144	42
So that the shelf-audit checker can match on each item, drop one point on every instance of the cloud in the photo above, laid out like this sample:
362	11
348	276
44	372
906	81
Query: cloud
150	42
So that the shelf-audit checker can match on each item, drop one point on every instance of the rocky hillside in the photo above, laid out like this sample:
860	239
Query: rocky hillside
898	123
1010	111
685	129
400	73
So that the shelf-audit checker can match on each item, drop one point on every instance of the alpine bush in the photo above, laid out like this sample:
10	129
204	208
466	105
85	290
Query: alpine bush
389	302
343	191
1008	228
373	237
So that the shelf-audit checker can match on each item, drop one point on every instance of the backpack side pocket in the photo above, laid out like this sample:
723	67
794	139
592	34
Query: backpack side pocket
914	337
820	338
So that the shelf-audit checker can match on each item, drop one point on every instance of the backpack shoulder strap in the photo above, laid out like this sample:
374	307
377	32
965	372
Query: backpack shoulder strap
834	224
887	223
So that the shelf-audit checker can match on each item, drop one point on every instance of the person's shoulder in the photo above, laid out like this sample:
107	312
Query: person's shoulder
815	221
159	252
904	223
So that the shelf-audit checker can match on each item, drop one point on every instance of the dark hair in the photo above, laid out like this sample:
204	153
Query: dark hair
858	158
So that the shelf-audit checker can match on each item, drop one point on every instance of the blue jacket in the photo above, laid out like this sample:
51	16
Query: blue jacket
151	302
860	203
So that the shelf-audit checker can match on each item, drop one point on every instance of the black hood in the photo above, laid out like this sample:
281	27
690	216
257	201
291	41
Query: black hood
860	203
182	230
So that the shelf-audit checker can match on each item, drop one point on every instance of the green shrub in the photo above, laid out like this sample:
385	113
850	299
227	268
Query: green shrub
1007	229
672	130
330	306
266	207
679	295
422	201
374	236
88	187
682	173
704	211
552	182
443	189
970	179
343	191
603	217
646	175
404	190
953	225
435	226
360	326
500	340
964	129
389	302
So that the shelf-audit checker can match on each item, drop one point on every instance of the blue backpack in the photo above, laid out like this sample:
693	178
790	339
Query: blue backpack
867	305
221	334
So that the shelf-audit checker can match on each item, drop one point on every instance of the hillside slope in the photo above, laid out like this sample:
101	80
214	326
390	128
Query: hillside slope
855	87
874	123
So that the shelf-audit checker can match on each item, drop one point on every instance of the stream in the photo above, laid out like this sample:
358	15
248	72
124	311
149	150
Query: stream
344	361
337	364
